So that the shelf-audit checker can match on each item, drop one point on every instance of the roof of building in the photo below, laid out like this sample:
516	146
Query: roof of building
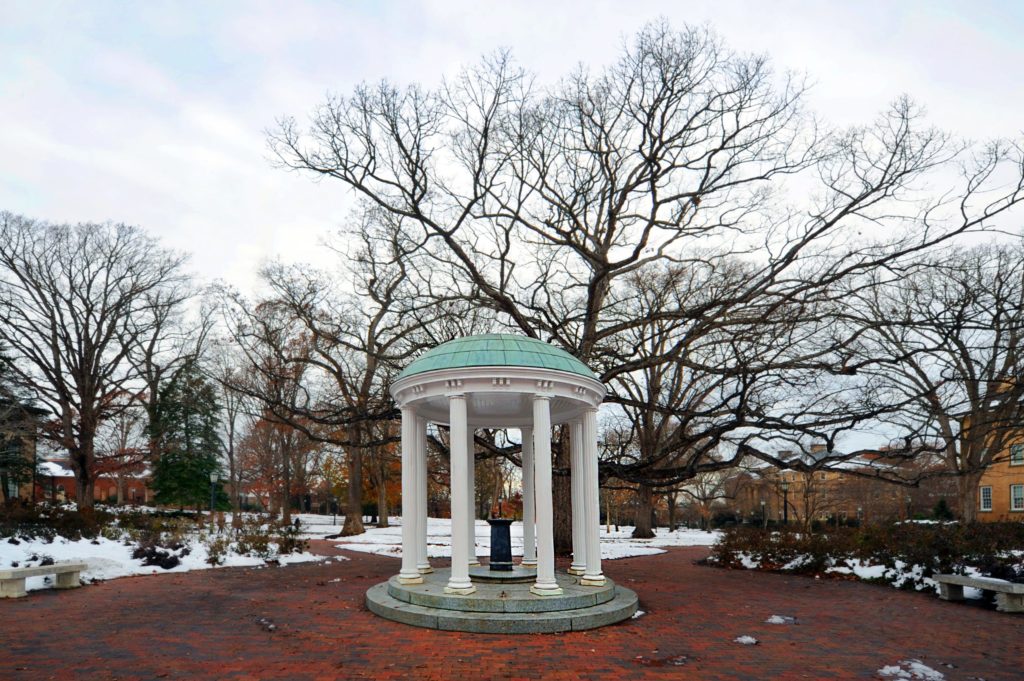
497	349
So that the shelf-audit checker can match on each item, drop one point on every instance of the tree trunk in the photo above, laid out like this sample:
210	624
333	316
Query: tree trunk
354	502
671	511
382	504
83	463
643	527
561	496
967	495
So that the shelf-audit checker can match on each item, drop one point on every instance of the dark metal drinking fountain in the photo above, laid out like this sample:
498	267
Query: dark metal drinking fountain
501	544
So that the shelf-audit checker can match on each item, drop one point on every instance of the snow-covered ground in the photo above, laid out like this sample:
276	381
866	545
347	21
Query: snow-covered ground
109	559
388	540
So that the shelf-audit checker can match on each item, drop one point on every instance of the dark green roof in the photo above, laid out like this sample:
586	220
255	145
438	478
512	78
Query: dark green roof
497	350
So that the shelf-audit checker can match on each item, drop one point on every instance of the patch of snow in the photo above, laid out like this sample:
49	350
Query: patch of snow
856	567
780	619
745	640
387	541
749	562
911	669
108	559
638	613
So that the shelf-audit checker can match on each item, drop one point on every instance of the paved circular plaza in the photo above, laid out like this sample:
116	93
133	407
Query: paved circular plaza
310	622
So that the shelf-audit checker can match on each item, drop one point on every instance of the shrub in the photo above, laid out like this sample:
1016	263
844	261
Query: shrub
48	522
254	538
288	539
217	548
917	550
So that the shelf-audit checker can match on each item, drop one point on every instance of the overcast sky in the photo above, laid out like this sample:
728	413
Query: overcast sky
154	113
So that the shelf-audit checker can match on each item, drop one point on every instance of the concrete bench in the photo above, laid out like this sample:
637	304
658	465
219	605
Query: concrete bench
12	580
1009	595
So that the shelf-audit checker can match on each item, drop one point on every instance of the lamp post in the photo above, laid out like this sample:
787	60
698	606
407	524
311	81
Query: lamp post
860	514
764	515
214	477
785	502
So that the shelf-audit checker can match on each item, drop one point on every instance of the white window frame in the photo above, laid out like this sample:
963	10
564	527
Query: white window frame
1014	498
982	506
1017	455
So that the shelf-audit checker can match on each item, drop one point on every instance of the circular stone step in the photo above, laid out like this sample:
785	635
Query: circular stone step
483	573
500	597
621	606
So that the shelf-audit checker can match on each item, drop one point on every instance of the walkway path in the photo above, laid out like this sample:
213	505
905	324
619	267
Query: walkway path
308	622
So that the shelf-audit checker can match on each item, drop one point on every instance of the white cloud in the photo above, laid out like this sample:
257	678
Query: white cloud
155	114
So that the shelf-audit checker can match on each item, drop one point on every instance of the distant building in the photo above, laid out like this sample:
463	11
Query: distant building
19	427
56	482
1001	488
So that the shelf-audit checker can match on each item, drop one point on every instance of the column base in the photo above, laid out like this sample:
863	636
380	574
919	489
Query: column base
574	570
410	580
553	591
528	563
425	569
460	590
592	580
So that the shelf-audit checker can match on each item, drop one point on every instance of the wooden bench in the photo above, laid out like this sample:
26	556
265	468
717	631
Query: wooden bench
12	580
1009	595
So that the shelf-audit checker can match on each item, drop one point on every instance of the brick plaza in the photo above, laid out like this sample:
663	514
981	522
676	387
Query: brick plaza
309	622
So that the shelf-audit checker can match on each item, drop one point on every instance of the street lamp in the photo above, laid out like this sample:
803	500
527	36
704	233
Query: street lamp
785	502
214	477
860	514
764	514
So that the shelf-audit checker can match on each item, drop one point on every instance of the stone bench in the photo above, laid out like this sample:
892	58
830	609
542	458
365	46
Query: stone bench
12	580
1009	595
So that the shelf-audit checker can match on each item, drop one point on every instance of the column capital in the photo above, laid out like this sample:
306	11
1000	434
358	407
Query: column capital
546	397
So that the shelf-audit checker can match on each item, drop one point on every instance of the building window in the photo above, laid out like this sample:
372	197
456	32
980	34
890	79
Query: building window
1017	455
986	499
1017	497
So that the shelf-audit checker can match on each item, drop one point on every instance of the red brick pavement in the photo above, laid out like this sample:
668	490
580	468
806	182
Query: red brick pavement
208	625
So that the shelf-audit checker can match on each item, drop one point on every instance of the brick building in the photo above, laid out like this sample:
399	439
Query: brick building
1001	488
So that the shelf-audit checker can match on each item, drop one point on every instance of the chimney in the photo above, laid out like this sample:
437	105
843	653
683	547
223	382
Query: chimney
817	449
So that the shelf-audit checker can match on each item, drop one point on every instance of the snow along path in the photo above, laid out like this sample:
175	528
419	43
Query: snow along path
387	541
108	559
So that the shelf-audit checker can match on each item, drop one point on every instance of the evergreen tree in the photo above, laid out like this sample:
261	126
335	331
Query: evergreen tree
186	423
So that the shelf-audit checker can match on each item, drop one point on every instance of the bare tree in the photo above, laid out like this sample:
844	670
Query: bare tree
543	201
227	371
349	334
945	343
75	302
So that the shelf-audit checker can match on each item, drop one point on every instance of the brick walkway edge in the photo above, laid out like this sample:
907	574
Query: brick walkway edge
309	622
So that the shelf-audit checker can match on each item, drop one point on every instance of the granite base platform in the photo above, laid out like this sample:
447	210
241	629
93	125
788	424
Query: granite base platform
501	607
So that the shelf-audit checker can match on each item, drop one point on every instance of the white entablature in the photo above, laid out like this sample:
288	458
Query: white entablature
498	397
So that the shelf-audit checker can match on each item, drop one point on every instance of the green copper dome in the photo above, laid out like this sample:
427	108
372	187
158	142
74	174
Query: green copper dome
497	350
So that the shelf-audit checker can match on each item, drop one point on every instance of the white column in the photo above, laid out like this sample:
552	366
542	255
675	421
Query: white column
409	574
593	575
529	507
546	585
422	560
577	480
458	582
471	486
